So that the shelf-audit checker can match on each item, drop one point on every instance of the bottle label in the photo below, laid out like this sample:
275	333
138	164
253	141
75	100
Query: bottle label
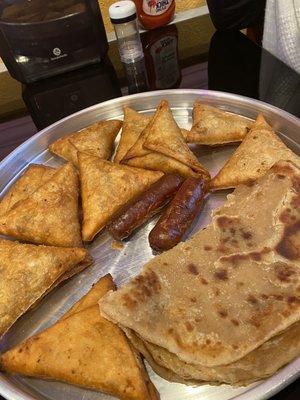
156	7
164	54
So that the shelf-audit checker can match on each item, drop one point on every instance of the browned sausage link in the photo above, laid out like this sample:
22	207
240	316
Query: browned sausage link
179	215
144	206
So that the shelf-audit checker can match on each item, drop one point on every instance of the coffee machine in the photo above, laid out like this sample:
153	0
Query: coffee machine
42	38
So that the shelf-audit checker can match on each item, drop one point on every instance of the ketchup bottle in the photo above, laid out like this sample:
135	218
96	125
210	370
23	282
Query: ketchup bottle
155	13
161	57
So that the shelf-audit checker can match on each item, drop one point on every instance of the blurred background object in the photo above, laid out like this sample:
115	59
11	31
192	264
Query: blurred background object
192	20
54	98
281	35
182	7
154	14
161	56
39	39
123	16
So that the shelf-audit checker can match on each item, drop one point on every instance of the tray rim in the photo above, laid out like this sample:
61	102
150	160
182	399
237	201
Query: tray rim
229	96
270	386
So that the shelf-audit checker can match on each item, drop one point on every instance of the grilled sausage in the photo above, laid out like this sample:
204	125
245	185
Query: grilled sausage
144	206
179	215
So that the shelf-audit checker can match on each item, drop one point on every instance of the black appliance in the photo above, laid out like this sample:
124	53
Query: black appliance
42	38
54	98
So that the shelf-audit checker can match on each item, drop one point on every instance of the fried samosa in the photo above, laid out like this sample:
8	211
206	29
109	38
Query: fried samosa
105	187
34	177
134	123
158	162
28	272
165	137
213	126
86	350
260	149
50	214
97	139
161	146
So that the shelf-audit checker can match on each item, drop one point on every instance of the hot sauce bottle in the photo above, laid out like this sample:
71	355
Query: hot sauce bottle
161	57
155	13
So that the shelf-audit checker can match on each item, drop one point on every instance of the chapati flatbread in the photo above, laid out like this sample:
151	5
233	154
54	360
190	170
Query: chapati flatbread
84	349
156	365
97	139
213	126
34	177
105	187
258	364
27	272
260	149
230	288
50	214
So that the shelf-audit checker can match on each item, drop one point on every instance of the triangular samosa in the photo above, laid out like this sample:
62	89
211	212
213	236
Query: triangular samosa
105	187
260	149
98	290
159	162
165	137
97	139
138	149
213	126
49	215
34	177
134	123
86	350
140	127
28	272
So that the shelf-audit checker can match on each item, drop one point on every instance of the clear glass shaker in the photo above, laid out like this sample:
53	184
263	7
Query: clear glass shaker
123	17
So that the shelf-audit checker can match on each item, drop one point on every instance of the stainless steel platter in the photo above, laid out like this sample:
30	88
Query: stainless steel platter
125	263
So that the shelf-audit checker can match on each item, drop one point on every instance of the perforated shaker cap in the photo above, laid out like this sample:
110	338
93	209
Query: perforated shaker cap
122	11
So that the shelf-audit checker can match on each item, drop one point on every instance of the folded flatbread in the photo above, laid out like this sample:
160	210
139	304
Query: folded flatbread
213	126
34	177
28	272
84	349
154	360
105	187
230	288
260	149
134	123
258	364
97	139
50	214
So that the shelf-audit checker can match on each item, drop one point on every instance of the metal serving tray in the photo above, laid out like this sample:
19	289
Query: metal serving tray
125	263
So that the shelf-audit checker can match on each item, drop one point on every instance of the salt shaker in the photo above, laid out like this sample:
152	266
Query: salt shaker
123	17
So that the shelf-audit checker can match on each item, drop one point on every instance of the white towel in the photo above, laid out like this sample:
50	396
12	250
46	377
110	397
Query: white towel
282	31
